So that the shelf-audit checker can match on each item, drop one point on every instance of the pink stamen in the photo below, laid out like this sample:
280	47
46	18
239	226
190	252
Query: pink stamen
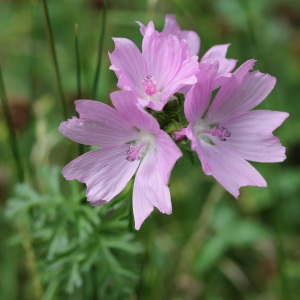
221	132
134	152
149	85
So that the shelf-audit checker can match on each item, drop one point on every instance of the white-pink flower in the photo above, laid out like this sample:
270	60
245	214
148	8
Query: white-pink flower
131	141
226	133
154	75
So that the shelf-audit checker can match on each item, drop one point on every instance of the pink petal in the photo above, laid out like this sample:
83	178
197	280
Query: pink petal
98	125
179	134
226	65
171	25
149	190
125	102
105	172
228	168
192	38
167	153
217	52
142	27
185	77
162	54
193	41
252	138
198	98
127	62
239	94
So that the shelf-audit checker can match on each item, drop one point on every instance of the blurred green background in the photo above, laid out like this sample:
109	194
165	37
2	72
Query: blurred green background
212	246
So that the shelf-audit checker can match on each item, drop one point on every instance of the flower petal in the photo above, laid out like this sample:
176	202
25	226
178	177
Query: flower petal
167	153
149	190
98	125
252	138
239	94
127	62
228	168
125	102
192	38
167	59
105	171
171	25
162	54
226	65
198	97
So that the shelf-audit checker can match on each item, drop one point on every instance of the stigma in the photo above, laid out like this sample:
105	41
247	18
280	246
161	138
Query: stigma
149	85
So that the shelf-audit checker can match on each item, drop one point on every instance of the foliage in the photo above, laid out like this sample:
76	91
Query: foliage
76	249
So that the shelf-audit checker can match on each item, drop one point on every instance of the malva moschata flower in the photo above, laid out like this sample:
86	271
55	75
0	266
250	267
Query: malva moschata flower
154	75
227	132
131	142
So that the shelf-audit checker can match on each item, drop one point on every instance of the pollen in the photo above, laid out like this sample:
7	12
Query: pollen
221	132
149	85
134	152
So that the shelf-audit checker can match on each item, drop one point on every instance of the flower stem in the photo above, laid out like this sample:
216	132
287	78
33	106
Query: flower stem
54	58
78	76
78	69
101	40
12	134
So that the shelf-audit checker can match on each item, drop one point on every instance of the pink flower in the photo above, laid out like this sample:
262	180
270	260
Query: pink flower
217	52
227	133
172	27
131	141
156	74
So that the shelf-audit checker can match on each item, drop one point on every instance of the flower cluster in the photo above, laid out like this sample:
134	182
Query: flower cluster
156	84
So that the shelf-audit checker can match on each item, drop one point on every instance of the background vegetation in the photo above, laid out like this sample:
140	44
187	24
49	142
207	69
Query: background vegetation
53	245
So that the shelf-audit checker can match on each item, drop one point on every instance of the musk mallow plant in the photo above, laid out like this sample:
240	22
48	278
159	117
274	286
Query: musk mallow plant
165	97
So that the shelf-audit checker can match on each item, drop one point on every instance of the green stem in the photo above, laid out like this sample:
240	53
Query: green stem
78	69
12	134
101	40
78	76
54	58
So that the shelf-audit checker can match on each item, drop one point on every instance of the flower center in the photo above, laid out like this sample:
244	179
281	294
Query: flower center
202	131
221	132
135	152
149	85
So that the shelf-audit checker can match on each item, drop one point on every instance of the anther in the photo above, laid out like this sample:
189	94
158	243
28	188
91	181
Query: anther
134	152
221	132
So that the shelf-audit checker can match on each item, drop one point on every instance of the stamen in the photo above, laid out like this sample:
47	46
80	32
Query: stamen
221	133
149	85
134	152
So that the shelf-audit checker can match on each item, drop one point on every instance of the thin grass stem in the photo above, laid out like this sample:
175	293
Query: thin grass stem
54	58
78	76
12	133
100	47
